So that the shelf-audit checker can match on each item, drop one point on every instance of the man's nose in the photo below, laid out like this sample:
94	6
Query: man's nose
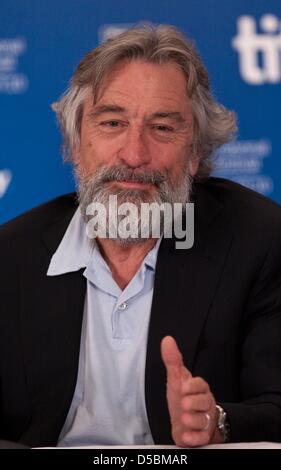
134	151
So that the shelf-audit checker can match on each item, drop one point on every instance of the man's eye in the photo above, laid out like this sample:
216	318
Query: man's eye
162	128
110	123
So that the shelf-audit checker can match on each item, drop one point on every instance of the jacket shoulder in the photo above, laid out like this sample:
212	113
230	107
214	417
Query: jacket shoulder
38	218
240	202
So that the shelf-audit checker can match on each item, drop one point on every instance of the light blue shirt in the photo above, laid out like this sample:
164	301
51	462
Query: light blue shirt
108	405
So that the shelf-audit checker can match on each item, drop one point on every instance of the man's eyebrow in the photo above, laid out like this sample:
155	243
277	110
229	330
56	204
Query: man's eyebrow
112	108
106	108
175	115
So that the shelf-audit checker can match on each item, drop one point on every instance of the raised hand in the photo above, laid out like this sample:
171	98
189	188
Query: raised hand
191	404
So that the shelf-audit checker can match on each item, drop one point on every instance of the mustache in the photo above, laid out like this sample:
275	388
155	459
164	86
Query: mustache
123	173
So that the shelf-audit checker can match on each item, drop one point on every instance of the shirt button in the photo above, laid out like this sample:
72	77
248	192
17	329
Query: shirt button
123	306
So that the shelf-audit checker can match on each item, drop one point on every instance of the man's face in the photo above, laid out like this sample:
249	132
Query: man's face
136	144
141	120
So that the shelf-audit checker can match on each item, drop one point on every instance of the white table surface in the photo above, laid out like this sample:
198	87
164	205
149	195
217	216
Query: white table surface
239	445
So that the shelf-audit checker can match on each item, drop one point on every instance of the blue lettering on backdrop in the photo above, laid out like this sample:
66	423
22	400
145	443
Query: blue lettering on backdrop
41	43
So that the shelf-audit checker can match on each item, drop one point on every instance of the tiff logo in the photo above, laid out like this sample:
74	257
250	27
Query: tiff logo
259	53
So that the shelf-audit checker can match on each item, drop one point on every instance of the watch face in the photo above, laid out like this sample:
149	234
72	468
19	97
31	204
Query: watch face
223	424
222	417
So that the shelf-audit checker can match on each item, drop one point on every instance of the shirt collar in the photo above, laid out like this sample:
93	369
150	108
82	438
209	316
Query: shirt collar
76	249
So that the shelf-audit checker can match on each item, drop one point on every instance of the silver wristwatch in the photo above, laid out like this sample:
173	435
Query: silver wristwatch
223	424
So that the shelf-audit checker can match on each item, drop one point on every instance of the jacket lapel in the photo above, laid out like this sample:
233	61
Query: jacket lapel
185	284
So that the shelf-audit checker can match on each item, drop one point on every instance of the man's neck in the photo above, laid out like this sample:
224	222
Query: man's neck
124	261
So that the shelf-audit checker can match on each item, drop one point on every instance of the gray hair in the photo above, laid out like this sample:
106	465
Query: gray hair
214	125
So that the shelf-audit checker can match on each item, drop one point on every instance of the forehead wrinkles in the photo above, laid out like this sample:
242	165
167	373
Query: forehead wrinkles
132	106
129	98
142	78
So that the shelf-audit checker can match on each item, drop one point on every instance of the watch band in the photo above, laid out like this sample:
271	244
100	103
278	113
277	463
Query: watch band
223	424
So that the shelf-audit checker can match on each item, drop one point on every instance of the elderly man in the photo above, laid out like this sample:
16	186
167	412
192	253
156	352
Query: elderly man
128	340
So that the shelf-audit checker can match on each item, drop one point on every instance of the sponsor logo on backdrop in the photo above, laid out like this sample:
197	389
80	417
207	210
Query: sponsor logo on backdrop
242	161
5	179
259	49
109	31
12	81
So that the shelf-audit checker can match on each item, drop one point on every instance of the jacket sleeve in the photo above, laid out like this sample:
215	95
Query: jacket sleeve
258	416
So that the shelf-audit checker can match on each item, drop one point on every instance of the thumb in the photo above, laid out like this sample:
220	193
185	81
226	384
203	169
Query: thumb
172	359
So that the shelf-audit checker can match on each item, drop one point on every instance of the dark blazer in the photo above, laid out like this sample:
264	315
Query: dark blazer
221	300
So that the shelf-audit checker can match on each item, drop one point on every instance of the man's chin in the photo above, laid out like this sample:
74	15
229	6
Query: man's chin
126	242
